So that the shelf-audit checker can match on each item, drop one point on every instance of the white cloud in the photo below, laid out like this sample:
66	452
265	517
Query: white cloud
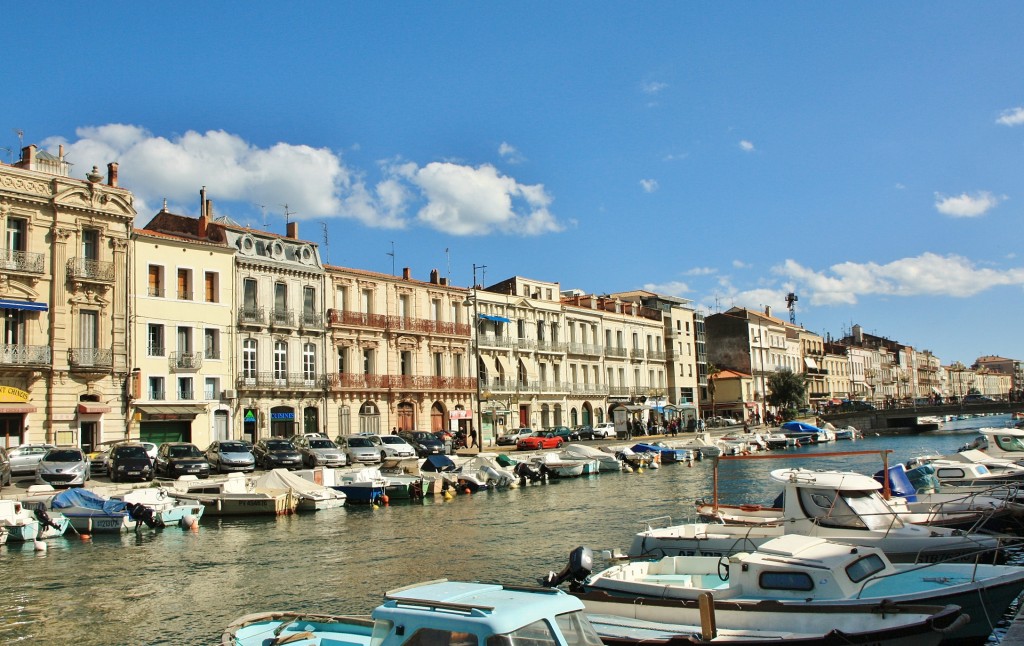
313	182
966	206
510	153
925	275
739	264
672	288
700	271
747	146
649	185
675	156
1011	117
653	87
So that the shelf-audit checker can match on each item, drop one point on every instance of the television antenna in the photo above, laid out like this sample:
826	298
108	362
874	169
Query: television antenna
791	300
392	254
327	248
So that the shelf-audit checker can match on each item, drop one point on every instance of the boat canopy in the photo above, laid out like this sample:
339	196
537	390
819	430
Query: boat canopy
88	499
438	463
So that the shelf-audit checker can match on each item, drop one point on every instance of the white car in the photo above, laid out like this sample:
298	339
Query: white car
604	430
512	437
392	446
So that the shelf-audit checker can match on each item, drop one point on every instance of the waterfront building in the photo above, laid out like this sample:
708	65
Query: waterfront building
838	366
733	393
183	348
1002	365
812	350
63	295
399	354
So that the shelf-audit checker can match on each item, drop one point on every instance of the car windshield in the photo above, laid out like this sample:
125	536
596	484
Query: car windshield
28	450
233	447
64	455
359	441
185	451
279	445
130	452
321	444
391	439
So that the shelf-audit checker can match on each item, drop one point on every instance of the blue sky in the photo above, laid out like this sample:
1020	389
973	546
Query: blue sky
866	156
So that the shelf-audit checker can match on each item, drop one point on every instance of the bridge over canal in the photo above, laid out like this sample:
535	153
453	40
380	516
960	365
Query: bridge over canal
906	420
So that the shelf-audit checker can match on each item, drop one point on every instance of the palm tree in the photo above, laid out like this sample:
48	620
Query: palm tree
713	371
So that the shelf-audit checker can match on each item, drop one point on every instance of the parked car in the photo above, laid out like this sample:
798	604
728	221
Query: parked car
129	461
540	440
604	430
98	461
974	398
585	432
230	455
176	459
318	451
5	468
151	450
565	433
424	443
358	449
63	466
24	458
392	446
512	437
277	453
855	405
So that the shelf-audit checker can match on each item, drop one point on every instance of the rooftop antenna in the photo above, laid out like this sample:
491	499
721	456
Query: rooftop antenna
327	248
21	137
791	300
287	214
392	254
263	209
448	256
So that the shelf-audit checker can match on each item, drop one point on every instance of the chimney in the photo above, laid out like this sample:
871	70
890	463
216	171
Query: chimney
204	213
292	230
28	157
406	273
434	276
111	171
767	310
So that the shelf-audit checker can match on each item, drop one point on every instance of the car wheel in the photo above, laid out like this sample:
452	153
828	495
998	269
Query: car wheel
220	467
113	476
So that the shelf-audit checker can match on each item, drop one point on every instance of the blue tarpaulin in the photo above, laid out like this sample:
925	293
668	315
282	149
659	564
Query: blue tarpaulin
88	500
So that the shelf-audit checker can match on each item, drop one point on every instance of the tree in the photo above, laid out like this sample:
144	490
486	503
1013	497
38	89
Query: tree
713	371
788	389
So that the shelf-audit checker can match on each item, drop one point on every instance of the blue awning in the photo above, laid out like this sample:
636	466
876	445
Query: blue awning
496	319
23	305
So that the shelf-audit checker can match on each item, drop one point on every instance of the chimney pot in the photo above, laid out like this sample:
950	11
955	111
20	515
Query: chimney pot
406	273
292	230
111	171
434	276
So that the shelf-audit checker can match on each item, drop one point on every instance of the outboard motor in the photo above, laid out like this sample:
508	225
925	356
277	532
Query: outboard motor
527	472
44	518
143	514
581	564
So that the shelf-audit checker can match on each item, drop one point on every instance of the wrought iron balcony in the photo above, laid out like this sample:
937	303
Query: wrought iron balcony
350	381
311	320
24	355
552	346
271	380
637	353
91	358
282	317
86	269
154	350
343	318
185	361
157	292
22	261
618	353
586	349
251	316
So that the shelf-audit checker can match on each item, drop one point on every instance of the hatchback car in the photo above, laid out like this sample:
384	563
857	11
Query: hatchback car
564	432
277	453
392	446
129	461
24	458
63	466
230	455
424	443
512	437
318	451
604	430
176	459
359	449
540	440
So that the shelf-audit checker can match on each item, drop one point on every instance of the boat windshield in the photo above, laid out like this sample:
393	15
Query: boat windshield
577	630
848	509
1010	443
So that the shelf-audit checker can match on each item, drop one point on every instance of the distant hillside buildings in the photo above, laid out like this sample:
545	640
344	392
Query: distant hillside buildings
200	329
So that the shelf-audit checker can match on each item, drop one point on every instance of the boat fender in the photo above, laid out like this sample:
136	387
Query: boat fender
187	521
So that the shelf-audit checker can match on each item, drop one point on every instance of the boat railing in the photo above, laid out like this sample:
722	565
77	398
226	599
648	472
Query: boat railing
663	521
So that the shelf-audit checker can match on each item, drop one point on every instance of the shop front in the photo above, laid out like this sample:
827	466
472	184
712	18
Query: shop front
14	410
167	422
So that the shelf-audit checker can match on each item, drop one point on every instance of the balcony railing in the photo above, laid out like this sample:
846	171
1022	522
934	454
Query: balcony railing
186	395
341	318
22	261
251	316
157	292
185	361
24	355
98	358
346	381
619	353
292	380
637	353
487	341
656	355
184	295
154	350
552	346
282	317
586	349
619	390
156	395
311	320
212	354
90	270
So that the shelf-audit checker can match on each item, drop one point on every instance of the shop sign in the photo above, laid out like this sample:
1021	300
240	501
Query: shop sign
461	414
250	415
277	417
12	394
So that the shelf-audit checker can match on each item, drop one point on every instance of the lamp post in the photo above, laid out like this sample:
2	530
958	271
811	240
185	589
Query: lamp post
472	302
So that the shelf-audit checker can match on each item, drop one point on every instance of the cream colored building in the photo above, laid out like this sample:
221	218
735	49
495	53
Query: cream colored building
63	294
183	333
398	353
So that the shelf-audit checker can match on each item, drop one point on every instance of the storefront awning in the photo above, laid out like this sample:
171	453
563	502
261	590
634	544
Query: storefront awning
23	305
169	411
496	319
16	407
810	363
93	408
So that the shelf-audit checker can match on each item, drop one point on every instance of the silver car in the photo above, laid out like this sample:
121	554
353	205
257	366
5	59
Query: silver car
230	455
317	451
24	458
359	449
392	446
63	466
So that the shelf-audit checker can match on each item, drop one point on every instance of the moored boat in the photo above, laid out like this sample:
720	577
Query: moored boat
233	497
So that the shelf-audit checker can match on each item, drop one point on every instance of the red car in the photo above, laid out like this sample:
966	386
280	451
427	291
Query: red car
539	440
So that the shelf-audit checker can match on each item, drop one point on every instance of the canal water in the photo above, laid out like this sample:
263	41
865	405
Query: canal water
180	587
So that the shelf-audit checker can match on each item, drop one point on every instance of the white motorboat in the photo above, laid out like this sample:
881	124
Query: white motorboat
836	505
234	497
565	468
806	571
605	461
312	496
701	442
1003	443
971	467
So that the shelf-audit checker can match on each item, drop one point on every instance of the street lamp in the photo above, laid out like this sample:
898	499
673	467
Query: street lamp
472	302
